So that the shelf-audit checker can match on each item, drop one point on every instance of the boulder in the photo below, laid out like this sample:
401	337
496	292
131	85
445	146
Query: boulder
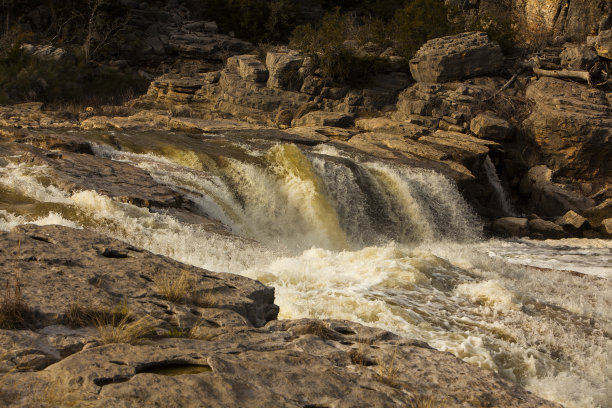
596	215
284	70
542	229
456	57
320	118
511	227
248	67
487	125
606	227
572	221
603	44
572	126
578	56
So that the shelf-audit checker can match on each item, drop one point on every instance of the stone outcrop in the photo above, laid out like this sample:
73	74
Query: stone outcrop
603	44
548	198
487	125
572	125
224	349
284	68
455	58
511	227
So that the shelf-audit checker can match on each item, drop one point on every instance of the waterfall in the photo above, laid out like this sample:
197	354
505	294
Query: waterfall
500	193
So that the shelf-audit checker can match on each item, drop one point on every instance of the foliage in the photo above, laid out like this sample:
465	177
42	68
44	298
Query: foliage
25	78
503	31
421	20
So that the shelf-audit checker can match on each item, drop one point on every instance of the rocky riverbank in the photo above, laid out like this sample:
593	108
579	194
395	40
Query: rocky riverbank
88	320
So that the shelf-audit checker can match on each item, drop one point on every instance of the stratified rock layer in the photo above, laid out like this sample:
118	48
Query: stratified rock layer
456	57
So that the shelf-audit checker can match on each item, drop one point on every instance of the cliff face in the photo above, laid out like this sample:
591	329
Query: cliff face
573	19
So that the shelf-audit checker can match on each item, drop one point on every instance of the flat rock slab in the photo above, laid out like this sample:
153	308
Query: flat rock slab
73	172
288	363
59	267
456	57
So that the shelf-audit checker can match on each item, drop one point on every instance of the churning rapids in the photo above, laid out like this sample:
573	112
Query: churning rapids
342	237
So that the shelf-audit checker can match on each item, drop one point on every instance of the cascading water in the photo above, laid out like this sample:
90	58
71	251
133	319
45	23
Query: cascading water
372	242
500	193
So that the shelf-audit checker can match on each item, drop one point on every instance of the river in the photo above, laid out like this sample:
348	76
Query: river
344	237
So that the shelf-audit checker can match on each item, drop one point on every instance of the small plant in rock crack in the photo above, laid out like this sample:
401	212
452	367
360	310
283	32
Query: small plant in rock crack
388	371
14	311
175	288
127	330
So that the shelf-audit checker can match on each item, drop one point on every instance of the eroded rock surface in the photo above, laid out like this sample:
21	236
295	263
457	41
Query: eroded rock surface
456	57
572	124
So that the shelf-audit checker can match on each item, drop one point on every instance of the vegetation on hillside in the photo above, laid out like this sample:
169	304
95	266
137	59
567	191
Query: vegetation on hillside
347	40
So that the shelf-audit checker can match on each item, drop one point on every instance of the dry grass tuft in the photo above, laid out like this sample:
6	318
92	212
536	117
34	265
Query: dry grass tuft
317	328
14	312
126	330
175	289
388	371
359	356
211	299
82	316
426	401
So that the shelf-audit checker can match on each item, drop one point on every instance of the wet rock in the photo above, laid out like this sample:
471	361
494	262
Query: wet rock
511	227
572	221
287	363
92	271
489	126
320	118
572	125
542	229
456	57
73	172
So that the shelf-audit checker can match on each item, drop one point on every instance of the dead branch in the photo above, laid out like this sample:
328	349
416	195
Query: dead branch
564	74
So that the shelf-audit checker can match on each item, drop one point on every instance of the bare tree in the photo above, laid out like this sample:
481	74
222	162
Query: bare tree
100	29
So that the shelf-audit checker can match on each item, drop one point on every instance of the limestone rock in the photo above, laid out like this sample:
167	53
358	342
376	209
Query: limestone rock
89	270
572	221
75	172
606	227
486	125
603	44
287	363
320	118
248	67
572	125
511	227
284	70
456	57
208	46
578	56
542	229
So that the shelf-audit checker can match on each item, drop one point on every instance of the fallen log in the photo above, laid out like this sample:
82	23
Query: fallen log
564	74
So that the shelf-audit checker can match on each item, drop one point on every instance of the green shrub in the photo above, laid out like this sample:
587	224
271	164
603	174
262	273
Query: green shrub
421	20
503	31
26	78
